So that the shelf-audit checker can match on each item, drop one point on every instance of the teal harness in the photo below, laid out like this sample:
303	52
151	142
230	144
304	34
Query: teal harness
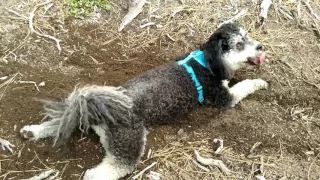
198	56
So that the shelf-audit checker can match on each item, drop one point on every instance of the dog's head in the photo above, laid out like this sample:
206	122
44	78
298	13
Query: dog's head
231	48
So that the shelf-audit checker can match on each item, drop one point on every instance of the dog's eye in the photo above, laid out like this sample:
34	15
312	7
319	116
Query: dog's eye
240	46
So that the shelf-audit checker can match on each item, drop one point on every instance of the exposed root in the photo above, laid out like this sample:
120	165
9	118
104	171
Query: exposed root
212	162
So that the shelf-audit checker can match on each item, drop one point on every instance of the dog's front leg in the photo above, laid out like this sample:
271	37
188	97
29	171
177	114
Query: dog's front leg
242	89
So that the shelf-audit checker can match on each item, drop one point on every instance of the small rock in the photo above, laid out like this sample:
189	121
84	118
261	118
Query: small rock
42	84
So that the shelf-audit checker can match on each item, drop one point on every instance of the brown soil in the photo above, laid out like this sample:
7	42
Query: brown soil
285	118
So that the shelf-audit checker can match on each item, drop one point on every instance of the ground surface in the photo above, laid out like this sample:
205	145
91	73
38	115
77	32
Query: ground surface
285	118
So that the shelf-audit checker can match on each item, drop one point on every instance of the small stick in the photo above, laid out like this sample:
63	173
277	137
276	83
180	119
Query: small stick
286	14
234	6
264	7
299	9
171	38
307	3
147	24
49	174
212	162
17	14
135	8
31	27
200	166
38	33
30	82
144	170
240	14
6	145
255	146
309	169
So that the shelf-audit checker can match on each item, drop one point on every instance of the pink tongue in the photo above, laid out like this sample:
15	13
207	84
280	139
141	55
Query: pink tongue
259	60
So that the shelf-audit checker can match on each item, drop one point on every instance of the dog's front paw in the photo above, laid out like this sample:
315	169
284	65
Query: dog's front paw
98	173
30	132
260	84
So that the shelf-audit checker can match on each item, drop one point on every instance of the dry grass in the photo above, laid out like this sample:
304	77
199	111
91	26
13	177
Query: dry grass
175	161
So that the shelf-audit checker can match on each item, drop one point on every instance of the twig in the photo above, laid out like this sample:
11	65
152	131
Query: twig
315	159
6	145
38	33
264	9
30	82
310	83
212	162
234	6
299	9
31	27
19	46
144	170
286	14
64	169
287	64
307	3
11	172
255	146
147	24
171	38
96	61
9	81
240	14
49	174
17	14
200	166
41	160
135	8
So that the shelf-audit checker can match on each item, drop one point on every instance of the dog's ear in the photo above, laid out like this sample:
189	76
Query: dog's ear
213	52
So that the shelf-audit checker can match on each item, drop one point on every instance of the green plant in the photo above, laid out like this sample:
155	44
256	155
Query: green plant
82	8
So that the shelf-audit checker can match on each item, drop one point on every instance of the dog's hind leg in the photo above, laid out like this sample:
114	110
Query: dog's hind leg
242	89
124	148
44	130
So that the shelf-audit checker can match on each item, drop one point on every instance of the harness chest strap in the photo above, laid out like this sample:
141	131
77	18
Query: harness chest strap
198	56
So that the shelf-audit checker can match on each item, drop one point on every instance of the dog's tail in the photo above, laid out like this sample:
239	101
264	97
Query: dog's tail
86	106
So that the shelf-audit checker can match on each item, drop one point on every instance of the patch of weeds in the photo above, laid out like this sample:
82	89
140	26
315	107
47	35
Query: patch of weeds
82	8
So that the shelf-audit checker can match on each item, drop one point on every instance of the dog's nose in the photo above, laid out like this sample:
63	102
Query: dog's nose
259	47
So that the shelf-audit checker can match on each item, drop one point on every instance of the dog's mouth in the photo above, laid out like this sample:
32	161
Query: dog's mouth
257	60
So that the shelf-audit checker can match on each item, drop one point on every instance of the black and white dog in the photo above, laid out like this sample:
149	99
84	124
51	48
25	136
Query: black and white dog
120	115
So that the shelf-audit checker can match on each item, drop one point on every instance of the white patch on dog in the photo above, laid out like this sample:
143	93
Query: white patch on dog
108	169
244	88
101	131
243	32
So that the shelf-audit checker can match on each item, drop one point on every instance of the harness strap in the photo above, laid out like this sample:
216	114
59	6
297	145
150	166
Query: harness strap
199	57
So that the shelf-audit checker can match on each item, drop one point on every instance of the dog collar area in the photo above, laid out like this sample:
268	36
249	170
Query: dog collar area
198	56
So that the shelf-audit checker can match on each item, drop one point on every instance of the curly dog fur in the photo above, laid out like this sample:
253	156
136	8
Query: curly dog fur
121	115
